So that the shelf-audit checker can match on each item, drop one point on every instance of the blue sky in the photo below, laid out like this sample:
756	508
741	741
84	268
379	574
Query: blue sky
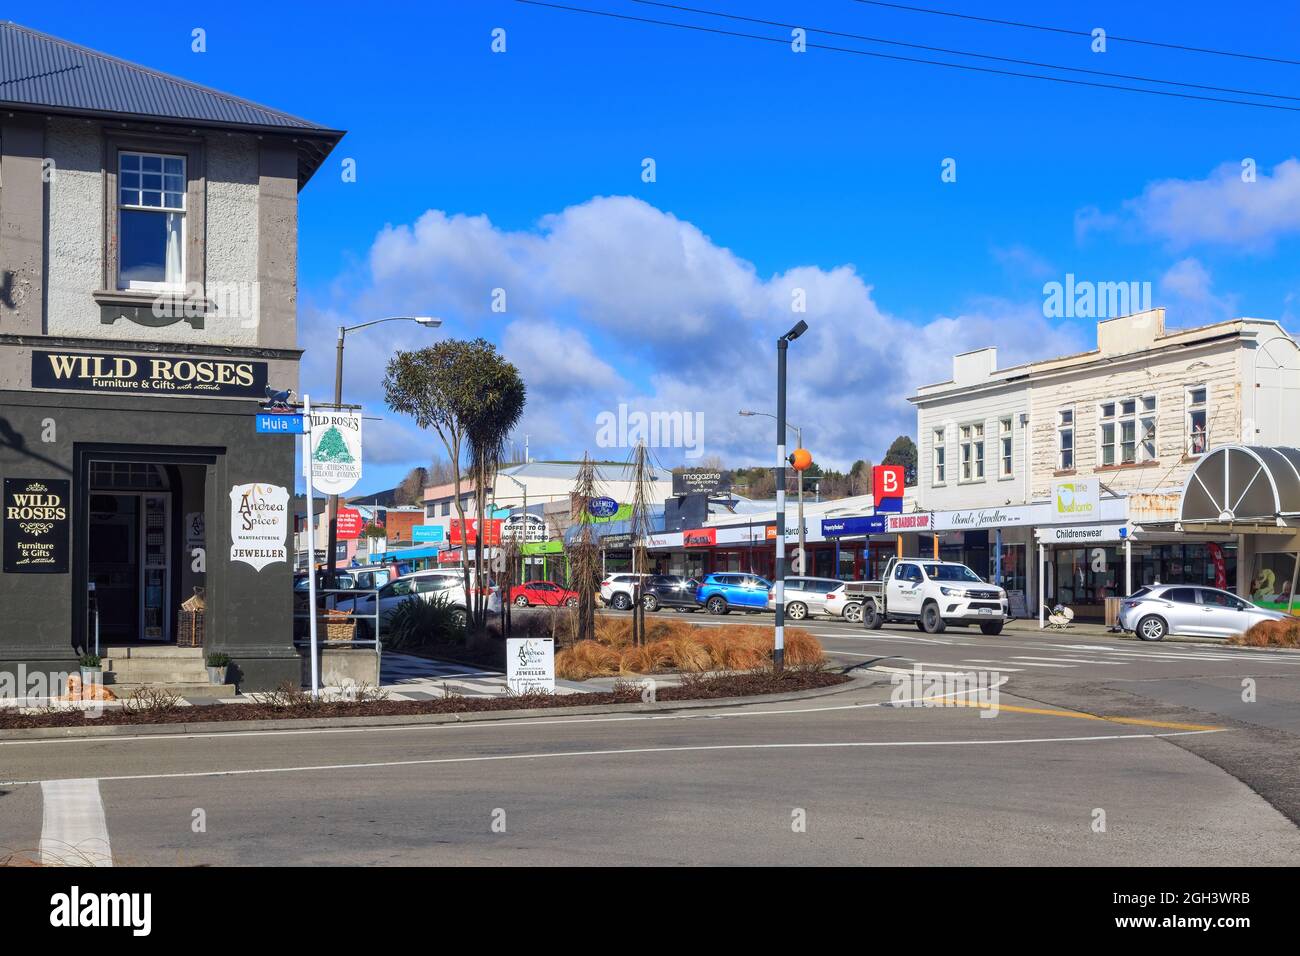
774	171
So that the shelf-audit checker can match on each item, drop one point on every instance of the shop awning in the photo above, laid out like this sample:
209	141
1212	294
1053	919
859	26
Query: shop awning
1237	484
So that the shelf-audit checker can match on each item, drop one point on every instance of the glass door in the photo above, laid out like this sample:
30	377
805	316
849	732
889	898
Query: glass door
155	581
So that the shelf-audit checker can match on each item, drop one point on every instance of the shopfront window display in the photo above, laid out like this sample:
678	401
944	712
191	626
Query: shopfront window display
1272	582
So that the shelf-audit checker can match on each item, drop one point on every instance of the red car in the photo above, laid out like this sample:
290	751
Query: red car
544	594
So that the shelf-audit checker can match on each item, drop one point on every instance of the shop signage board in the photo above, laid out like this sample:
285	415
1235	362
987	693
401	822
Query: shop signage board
700	481
700	538
1018	605
975	519
148	374
530	665
195	529
1082	534
602	507
272	423
37	514
427	532
349	524
842	527
335	451
615	541
900	524
259	524
1076	499
468	532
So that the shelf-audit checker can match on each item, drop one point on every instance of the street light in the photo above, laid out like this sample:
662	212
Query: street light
778	650
332	511
798	440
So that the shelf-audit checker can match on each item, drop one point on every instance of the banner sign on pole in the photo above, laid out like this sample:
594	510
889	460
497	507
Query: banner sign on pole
335	451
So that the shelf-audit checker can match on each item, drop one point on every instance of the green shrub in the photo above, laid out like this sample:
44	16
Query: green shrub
217	659
415	623
90	660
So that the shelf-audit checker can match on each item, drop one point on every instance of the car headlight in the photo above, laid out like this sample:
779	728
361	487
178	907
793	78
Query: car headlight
952	592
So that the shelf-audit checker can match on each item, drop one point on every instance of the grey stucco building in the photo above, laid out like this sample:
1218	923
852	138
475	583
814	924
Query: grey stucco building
148	257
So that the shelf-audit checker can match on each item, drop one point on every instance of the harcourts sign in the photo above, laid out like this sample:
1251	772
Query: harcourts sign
1075	499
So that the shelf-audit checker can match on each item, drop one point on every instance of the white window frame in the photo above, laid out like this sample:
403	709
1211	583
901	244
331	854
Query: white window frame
1189	409
1062	428
971	455
138	285
1006	447
940	456
1113	416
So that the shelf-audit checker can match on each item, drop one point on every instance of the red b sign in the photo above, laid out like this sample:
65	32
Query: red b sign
887	481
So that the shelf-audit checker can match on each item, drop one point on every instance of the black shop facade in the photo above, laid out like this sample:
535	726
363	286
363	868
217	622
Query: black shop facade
133	476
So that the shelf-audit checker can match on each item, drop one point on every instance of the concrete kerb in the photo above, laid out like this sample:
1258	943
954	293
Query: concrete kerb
855	682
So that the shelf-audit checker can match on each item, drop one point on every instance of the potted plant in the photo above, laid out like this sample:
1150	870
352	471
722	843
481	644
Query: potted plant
92	670
218	664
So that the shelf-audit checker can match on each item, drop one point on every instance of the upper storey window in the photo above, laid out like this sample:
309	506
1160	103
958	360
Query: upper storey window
151	221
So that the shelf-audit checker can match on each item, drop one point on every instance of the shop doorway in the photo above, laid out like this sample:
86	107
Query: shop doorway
129	551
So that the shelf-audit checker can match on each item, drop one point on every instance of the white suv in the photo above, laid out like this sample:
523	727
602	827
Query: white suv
616	590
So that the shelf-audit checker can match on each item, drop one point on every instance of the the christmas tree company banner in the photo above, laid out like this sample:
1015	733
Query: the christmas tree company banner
335	451
259	524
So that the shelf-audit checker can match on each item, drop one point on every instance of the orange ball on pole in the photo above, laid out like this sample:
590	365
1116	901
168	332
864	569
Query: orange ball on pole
801	459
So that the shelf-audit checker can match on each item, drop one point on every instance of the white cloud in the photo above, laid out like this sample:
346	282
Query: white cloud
614	301
1188	288
1220	209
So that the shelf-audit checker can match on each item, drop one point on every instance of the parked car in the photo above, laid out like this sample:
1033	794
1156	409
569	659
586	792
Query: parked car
1162	609
542	594
372	578
805	597
839	603
670	590
616	590
425	585
931	595
719	593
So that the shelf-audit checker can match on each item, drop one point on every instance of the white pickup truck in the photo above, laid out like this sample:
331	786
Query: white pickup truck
931	595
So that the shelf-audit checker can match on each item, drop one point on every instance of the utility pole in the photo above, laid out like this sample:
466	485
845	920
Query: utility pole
778	649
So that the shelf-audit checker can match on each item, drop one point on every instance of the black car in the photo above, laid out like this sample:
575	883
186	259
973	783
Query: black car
670	590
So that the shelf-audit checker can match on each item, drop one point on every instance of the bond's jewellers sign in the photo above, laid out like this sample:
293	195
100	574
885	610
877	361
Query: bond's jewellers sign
148	374
36	513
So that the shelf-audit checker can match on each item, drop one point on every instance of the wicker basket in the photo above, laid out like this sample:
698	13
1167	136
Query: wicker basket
189	621
338	625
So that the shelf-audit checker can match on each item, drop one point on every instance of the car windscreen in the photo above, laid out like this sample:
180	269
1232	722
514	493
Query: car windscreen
951	572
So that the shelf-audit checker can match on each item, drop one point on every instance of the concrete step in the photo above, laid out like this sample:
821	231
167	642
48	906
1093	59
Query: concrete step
153	652
154	671
180	689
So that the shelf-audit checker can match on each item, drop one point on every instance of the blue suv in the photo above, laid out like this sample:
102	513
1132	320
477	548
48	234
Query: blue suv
719	593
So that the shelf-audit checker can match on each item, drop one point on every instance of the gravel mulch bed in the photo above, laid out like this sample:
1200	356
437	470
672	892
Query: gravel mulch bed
693	688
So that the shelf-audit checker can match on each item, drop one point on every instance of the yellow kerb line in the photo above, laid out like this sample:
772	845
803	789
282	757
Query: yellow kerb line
1044	712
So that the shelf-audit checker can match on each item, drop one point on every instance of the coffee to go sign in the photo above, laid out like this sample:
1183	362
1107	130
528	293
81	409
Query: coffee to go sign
148	374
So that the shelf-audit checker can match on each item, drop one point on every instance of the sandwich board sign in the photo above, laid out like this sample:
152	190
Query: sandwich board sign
530	665
335	451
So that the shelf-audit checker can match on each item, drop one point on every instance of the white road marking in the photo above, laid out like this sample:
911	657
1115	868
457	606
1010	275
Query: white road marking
1072	660
635	751
73	829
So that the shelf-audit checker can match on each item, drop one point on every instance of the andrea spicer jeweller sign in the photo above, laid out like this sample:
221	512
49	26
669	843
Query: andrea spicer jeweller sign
148	374
36	525
259	524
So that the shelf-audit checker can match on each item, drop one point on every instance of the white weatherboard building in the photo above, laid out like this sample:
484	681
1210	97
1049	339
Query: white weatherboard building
1086	457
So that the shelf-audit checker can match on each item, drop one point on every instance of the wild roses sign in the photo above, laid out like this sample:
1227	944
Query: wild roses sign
335	451
259	524
36	522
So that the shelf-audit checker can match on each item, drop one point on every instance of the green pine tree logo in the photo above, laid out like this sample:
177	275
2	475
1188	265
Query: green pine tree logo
333	448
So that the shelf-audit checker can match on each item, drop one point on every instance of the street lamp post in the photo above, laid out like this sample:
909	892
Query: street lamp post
332	509
778	650
798	438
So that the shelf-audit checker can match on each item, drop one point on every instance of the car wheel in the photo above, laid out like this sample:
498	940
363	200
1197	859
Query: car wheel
1152	628
521	601
920	625
459	617
931	620
853	613
571	602
717	605
621	601
991	628
796	611
872	619
650	602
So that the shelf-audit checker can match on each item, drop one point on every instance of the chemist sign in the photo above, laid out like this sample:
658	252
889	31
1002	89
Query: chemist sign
530	665
335	451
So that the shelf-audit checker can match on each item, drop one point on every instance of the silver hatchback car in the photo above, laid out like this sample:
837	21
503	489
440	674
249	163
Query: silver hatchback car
1161	609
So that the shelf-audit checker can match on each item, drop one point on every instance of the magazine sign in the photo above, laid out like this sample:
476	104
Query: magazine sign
530	665
335	451
259	524
37	514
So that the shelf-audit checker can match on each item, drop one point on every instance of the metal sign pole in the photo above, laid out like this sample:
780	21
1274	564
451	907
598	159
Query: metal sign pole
311	543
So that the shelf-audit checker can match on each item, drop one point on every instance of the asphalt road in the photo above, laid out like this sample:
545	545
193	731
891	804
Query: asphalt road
1185	773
